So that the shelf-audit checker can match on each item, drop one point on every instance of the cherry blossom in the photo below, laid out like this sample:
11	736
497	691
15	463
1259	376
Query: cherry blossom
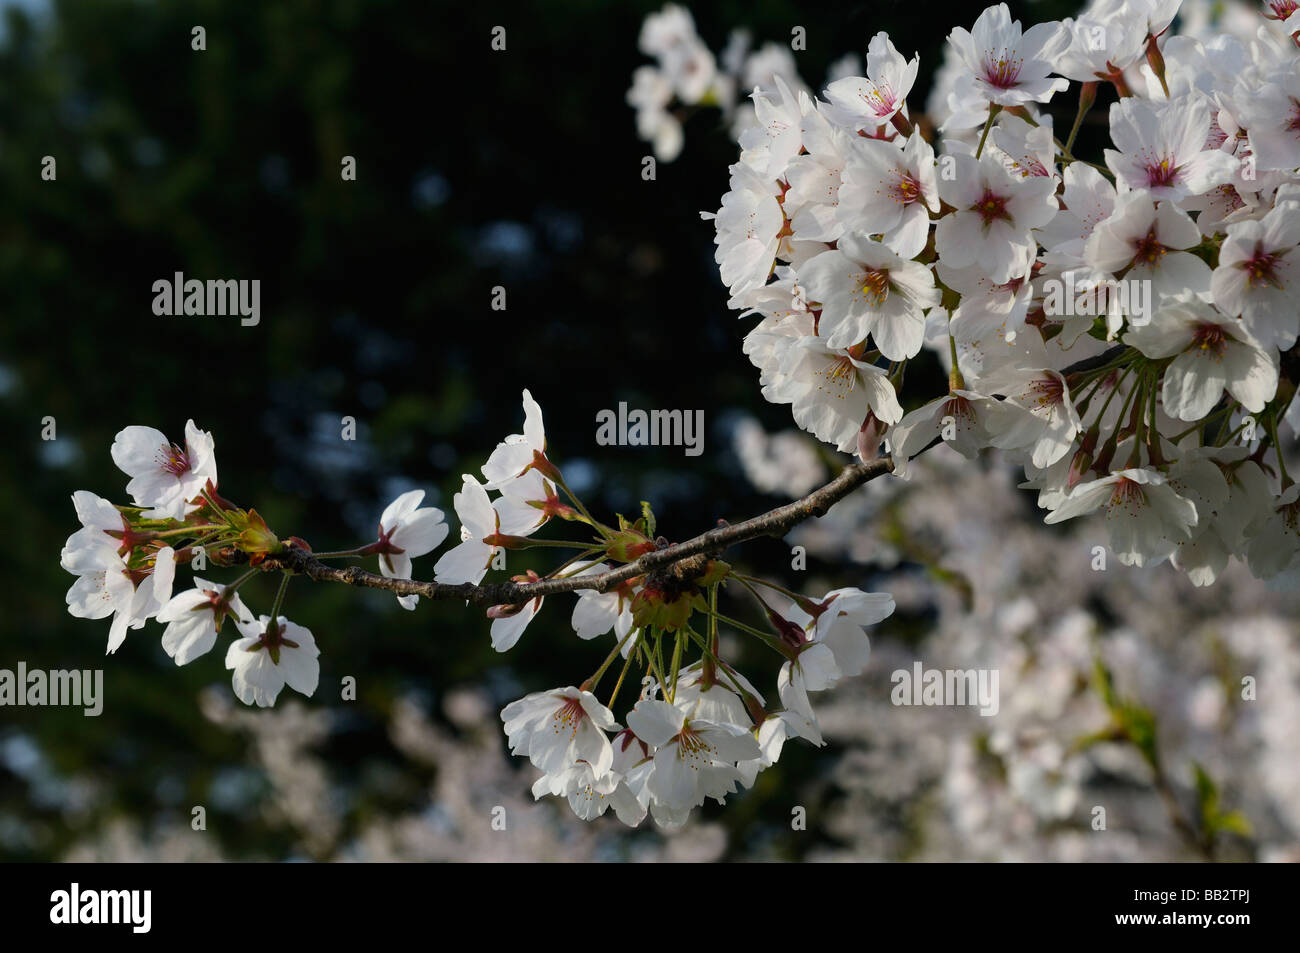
270	656
165	478
407	531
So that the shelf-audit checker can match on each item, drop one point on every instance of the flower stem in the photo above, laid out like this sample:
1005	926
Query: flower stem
656	664
711	657
553	543
994	109
627	663
230	589
677	661
581	507
340	553
1087	96
189	530
767	638
279	600
592	682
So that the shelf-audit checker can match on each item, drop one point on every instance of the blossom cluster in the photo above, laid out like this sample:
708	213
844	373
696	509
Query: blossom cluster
125	558
687	76
1124	328
699	728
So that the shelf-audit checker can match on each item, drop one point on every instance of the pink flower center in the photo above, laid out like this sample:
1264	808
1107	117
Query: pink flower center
991	208
1210	337
1148	248
1030	166
1002	73
174	460
1261	268
1127	492
272	639
1011	287
959	407
907	189
1293	125
568	717
1283	8
692	747
881	100
875	286
1231	196
1162	173
842	372
1217	136
1047	391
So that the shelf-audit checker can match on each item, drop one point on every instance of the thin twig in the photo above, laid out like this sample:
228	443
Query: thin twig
776	522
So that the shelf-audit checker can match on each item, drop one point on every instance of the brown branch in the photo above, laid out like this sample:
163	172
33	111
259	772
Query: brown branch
681	559
776	522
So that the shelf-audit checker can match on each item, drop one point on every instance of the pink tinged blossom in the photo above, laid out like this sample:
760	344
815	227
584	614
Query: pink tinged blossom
778	137
1211	353
517	452
1257	275
165	477
1160	146
831	392
1271	114
194	619
1010	68
557	729
890	192
468	562
1148	240
747	226
106	586
865	288
875	99
1049	424
994	214
811	202
270	657
1026	150
1275	548
694	758
1145	517
964	420
407	531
